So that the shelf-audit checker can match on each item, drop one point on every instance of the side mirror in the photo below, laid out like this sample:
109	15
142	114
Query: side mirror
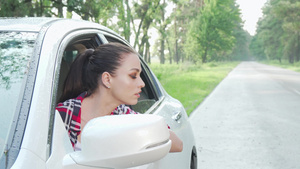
121	141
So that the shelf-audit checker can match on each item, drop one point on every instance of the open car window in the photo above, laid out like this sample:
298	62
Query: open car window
150	93
76	46
71	46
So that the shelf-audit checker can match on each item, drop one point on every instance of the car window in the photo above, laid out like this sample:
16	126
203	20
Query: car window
75	46
16	49
150	93
71	46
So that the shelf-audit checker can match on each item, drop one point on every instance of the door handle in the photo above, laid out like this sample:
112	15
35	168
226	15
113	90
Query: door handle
177	116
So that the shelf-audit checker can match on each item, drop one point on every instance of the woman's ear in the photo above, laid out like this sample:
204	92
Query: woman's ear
106	77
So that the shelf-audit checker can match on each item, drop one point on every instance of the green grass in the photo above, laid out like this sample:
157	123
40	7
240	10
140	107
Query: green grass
284	64
189	83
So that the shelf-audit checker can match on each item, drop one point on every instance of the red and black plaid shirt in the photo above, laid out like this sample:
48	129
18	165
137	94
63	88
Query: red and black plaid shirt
70	112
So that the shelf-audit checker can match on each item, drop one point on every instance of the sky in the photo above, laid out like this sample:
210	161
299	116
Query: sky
251	12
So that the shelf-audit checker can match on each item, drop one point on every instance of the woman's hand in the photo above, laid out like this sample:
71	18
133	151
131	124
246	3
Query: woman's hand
177	144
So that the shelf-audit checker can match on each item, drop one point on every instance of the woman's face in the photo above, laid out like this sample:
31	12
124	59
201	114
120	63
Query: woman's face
126	84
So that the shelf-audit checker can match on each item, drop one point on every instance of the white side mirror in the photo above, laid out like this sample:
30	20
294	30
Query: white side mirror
121	141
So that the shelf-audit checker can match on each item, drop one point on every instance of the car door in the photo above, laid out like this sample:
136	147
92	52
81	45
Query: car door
153	100
59	144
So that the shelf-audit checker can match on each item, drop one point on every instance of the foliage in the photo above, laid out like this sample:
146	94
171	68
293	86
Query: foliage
184	13
145	12
211	32
278	32
198	31
190	83
20	8
240	51
257	48
187	29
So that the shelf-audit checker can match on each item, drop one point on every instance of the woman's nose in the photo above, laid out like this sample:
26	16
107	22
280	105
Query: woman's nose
141	83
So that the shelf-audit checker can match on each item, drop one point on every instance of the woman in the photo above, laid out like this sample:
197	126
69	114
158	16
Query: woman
100	82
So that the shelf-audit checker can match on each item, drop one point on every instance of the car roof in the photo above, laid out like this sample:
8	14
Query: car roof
36	24
24	24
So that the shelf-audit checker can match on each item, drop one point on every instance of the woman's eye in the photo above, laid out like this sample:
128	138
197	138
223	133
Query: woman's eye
133	76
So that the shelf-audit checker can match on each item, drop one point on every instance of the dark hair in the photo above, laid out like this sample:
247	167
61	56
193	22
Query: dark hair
87	68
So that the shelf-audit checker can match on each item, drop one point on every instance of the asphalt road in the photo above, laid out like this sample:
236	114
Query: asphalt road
250	121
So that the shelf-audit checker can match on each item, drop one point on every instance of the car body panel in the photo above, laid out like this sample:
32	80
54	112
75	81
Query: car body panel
167	109
62	142
28	159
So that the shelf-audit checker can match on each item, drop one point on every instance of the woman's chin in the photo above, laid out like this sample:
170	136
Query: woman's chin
134	102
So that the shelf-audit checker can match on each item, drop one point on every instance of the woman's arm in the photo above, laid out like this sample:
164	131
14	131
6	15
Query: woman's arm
177	144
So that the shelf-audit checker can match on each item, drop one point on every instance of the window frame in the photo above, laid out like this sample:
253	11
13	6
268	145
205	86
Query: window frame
68	40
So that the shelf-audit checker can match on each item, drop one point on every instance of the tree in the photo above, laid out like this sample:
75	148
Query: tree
145	13
278	31
257	49
162	23
162	30
213	32
240	50
125	18
270	32
195	30
22	8
182	18
288	13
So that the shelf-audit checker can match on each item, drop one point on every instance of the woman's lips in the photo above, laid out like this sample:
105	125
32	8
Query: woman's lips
138	94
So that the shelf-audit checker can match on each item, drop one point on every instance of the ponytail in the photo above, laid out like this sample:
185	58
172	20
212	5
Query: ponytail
73	85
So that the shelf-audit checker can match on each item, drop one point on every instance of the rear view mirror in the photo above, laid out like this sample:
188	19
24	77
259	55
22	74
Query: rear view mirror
121	141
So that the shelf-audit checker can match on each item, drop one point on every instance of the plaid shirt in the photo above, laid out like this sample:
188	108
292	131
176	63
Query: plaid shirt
70	112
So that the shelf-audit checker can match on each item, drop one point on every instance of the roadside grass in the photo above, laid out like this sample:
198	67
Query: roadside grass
190	83
284	64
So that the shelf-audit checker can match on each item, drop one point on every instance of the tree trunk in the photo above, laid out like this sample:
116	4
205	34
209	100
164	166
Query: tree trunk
59	7
162	40
176	42
128	18
139	30
147	53
162	51
170	52
298	49
291	58
29	8
204	56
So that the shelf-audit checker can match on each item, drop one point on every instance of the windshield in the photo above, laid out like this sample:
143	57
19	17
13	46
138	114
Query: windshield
16	49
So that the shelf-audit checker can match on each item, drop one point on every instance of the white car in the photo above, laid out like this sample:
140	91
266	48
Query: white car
35	56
